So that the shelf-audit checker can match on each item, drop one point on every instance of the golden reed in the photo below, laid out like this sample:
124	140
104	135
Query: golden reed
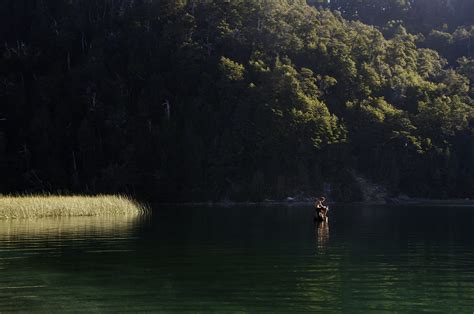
34	206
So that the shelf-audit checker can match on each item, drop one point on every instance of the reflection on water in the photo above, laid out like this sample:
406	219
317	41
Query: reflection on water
63	227
249	259
66	227
322	234
42	259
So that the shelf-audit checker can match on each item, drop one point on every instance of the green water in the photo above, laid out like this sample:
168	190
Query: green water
243	259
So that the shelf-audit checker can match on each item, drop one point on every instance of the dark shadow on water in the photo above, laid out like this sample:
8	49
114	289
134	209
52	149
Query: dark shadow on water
243	259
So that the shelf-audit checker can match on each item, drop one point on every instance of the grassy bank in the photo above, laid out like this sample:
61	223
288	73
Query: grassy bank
33	206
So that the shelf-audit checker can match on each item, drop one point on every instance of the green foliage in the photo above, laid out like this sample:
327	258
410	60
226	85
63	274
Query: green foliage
248	99
233	71
418	15
444	116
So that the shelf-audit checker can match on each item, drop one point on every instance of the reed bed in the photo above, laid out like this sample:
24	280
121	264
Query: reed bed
35	206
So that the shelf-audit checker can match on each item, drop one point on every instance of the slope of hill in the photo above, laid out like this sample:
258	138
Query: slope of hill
201	100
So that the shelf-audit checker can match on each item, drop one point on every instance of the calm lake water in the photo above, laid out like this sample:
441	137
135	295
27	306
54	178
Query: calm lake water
243	259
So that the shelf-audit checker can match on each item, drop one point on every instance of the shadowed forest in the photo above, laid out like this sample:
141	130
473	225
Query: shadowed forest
182	100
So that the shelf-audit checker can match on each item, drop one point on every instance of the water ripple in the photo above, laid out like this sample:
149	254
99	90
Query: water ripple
229	260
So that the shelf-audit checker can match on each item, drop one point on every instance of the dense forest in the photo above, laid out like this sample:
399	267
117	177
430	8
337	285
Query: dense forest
196	100
419	16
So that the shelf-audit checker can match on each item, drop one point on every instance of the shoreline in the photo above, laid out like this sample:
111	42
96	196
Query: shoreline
391	202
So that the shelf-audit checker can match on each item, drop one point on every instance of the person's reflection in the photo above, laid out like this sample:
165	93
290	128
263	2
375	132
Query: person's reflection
322	235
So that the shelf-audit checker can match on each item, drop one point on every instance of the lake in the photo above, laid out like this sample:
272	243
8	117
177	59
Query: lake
243	259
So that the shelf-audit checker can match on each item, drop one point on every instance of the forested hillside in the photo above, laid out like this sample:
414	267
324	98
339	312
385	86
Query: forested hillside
419	16
239	99
443	25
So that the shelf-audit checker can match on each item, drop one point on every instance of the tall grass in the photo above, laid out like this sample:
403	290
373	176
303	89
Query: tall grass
33	206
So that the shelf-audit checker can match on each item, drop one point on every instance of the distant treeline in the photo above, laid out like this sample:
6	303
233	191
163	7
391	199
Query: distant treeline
181	100
443	25
420	16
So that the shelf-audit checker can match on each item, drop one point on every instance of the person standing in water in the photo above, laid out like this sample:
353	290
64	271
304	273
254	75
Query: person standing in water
321	209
